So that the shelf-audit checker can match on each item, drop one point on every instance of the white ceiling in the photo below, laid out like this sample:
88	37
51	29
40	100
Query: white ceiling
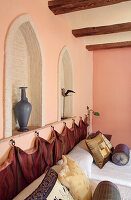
102	16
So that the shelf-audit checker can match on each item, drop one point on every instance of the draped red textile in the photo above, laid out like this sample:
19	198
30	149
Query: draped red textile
48	149
31	162
22	167
83	129
11	177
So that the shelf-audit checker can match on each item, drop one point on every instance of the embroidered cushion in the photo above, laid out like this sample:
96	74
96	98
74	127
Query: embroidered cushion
50	189
121	155
11	177
106	190
99	150
31	162
72	176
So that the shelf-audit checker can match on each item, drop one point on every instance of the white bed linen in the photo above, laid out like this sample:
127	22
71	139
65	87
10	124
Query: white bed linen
117	174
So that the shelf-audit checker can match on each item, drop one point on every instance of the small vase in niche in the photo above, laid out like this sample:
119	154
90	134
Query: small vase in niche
22	111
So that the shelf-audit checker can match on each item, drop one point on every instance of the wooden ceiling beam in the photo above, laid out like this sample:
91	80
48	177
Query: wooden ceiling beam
100	30
108	45
67	6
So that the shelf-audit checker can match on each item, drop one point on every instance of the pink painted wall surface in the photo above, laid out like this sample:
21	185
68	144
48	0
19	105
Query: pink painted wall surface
55	33
112	93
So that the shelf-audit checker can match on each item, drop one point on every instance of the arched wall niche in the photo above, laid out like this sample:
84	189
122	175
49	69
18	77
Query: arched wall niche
24	66
65	80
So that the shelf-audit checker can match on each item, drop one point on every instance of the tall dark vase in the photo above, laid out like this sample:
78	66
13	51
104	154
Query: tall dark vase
22	111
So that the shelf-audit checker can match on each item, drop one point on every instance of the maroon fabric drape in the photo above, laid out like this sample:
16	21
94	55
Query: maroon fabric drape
22	167
32	163
11	177
76	131
83	129
48	150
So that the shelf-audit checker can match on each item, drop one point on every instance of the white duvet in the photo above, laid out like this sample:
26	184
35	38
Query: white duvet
114	173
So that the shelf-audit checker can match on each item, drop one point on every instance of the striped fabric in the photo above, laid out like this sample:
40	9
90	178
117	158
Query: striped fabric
76	131
48	149
106	190
11	177
23	167
64	143
31	162
83	129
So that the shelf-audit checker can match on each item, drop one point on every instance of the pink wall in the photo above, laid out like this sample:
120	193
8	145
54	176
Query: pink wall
55	33
112	93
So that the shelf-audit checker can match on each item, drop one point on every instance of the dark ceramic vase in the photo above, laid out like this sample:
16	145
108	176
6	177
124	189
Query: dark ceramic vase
22	111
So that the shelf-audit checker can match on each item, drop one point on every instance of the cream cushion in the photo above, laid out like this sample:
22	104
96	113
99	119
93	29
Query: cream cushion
72	176
83	158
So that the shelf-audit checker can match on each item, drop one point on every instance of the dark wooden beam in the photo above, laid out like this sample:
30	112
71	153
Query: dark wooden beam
108	46
67	6
100	30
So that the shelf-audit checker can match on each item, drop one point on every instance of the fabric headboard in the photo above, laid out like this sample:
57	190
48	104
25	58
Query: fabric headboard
23	167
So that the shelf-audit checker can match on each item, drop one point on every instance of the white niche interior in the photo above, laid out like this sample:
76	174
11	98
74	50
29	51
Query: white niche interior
24	66
65	80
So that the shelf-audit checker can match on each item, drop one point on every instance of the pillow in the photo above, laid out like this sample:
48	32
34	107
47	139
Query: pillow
92	135
83	158
121	155
50	188
82	145
72	176
99	150
106	190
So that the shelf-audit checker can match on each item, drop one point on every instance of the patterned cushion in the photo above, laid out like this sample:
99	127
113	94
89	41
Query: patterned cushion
50	189
48	149
11	177
99	150
106	190
72	176
32	163
92	135
121	155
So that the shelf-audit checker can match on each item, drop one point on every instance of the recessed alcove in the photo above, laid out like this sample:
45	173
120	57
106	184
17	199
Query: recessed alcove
65	80
24	66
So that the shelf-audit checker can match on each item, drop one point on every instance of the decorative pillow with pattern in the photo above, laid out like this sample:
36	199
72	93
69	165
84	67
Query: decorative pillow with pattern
106	190
121	155
50	189
99	150
72	176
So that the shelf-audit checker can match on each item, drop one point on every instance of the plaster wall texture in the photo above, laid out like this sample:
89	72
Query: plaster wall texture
55	33
112	93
